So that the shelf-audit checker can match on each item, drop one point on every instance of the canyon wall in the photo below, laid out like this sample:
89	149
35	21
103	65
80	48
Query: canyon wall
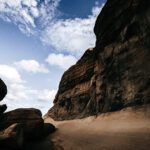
116	73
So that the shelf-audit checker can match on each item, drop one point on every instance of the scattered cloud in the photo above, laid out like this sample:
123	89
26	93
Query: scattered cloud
40	18
60	60
10	74
19	95
12	78
31	66
47	95
35	12
72	35
29	3
28	15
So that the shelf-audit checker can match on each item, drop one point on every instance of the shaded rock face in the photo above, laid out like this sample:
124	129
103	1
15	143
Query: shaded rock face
20	126
116	74
74	89
31	119
12	137
3	108
3	90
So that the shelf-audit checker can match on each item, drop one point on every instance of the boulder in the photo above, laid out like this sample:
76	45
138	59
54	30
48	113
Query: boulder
30	119
12	137
3	90
3	108
48	129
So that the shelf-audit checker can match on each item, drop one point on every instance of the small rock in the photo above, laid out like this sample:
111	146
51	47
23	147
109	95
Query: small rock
3	108
48	128
31	119
12	137
3	90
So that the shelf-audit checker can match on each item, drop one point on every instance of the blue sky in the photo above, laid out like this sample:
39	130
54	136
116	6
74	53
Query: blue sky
39	40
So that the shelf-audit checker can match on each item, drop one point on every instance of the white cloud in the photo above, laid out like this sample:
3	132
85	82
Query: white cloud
61	60
10	74
30	3
31	66
96	10
24	12
47	95
21	96
27	17
48	12
34	12
72	35
39	18
12	78
10	3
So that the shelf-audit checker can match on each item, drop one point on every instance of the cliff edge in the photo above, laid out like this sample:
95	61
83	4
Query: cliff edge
116	73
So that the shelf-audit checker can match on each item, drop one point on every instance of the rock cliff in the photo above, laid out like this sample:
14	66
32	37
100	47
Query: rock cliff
116	73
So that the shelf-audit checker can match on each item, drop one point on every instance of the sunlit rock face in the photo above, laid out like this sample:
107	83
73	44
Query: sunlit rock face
116	73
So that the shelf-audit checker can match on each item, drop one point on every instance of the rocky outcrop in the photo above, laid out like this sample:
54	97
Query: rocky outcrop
12	137
20	126
74	89
3	108
3	90
47	129
116	73
31	120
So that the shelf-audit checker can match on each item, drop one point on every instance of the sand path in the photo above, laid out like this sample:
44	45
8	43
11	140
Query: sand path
128	129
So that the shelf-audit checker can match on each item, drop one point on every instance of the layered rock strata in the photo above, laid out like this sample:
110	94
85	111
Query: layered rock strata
116	73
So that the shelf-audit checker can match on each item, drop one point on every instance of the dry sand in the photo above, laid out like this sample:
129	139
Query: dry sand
128	129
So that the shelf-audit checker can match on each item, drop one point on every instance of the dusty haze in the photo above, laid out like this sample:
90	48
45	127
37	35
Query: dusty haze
125	129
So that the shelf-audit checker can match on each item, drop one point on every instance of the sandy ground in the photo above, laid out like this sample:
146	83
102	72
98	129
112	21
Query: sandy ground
128	129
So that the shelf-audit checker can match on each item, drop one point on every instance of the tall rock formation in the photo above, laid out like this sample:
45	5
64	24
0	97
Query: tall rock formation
116	73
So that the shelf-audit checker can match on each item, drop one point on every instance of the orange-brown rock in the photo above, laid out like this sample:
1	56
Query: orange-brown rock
73	94
116	74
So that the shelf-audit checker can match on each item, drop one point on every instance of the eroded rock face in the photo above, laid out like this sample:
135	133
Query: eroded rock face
116	74
74	89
